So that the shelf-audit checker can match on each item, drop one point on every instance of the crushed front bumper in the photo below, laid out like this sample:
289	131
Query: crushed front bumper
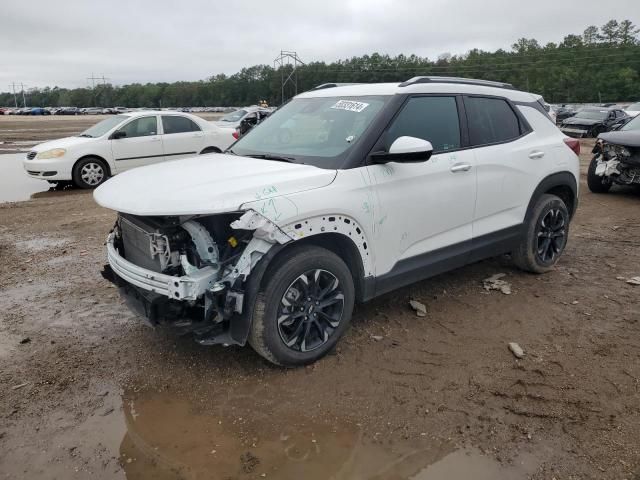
185	287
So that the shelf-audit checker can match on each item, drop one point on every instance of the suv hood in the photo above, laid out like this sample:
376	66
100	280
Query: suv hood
62	143
206	184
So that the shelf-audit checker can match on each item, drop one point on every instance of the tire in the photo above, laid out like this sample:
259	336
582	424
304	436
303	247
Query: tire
306	335
596	183
545	236
210	150
90	172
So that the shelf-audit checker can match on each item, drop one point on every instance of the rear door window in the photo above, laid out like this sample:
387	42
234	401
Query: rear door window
431	118
177	124
491	120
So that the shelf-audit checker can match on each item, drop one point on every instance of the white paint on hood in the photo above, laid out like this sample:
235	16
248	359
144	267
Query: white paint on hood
206	184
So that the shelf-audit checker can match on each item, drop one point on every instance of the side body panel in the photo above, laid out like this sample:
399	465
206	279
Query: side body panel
509	173
137	151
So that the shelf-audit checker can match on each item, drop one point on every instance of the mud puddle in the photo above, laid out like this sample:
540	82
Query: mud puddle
168	436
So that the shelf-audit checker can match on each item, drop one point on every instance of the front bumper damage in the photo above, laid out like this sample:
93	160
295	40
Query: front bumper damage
213	301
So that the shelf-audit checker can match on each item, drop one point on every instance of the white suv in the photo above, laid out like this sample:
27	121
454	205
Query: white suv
341	195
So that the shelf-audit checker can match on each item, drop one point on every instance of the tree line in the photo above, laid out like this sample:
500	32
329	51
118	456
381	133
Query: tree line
600	65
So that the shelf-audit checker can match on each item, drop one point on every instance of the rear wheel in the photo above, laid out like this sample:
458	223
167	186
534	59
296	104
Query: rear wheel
304	307
596	183
545	236
89	172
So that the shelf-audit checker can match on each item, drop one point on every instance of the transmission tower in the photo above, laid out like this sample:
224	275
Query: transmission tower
24	100
288	63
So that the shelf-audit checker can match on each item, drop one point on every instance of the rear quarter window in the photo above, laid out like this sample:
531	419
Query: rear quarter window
491	120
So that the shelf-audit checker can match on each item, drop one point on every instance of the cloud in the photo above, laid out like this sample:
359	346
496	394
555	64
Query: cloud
62	43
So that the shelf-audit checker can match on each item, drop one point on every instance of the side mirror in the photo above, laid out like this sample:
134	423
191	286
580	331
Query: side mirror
405	150
118	134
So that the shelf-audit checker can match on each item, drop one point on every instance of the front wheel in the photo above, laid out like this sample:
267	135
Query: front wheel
304	307
545	236
89	172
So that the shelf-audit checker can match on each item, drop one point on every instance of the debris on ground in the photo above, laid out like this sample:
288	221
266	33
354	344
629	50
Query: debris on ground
634	281
16	387
420	308
516	350
377	338
25	340
495	282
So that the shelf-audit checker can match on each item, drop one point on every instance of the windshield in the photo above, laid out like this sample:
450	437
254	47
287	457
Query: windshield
633	124
103	127
234	116
634	107
592	114
318	131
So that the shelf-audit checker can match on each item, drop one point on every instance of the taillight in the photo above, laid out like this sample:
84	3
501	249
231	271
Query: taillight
573	144
236	135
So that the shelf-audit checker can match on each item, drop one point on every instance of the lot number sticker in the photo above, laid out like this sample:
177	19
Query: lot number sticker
350	106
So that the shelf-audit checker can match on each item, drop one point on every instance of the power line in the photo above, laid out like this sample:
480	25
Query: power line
348	67
504	53
468	68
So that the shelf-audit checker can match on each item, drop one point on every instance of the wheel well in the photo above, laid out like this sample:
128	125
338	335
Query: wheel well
94	156
560	184
565	194
339	244
210	149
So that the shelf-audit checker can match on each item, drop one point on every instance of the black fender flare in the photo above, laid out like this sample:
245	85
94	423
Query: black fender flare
240	324
558	179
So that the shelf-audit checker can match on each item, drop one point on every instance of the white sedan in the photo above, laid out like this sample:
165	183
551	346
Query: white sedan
123	142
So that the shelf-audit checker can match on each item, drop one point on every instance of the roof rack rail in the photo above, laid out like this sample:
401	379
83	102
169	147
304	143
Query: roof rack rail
332	85
460	80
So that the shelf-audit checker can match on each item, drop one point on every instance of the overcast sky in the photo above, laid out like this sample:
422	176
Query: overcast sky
45	42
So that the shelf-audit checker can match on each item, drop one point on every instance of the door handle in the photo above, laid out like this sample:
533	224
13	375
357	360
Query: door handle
460	167
154	139
536	154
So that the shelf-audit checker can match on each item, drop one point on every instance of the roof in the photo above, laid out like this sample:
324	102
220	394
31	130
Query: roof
433	86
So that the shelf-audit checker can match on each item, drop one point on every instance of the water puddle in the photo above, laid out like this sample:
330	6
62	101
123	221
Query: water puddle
170	437
15	185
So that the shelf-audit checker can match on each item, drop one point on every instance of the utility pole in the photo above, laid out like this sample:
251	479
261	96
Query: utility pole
288	59
15	98
24	101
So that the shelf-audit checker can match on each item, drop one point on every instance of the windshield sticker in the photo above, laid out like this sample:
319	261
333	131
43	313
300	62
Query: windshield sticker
350	106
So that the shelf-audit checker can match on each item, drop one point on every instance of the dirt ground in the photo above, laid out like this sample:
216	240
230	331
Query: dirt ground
87	391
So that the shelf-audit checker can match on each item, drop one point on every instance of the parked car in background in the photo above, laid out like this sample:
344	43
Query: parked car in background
251	114
592	121
616	159
343	194
563	112
123	142
92	111
633	110
68	111
39	111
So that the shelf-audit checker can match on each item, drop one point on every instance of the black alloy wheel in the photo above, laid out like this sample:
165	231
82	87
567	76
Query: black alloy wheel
551	235
310	310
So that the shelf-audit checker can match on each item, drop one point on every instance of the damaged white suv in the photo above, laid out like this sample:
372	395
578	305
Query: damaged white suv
343	194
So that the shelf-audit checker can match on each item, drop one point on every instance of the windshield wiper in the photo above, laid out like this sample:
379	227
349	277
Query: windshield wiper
85	135
277	158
